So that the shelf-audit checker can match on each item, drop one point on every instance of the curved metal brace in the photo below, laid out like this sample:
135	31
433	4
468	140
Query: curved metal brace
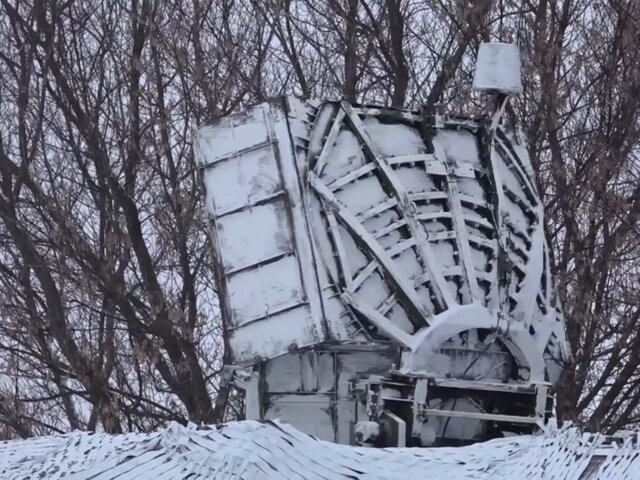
457	320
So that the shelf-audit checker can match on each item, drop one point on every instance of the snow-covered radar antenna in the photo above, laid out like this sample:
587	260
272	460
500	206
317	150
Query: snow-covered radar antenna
383	274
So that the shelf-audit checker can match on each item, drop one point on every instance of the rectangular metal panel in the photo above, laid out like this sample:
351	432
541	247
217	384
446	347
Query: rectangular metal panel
261	241
310	414
268	223
314	390
309	371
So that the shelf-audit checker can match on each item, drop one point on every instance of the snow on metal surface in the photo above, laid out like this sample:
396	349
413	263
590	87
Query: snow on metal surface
334	222
271	450
262	248
498	68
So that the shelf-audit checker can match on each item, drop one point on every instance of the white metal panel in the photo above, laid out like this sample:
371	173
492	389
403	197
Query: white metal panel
269	224
244	180
272	336
310	413
258	293
498	68
262	245
233	134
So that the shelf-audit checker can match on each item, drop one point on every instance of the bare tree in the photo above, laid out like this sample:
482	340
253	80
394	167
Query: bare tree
107	293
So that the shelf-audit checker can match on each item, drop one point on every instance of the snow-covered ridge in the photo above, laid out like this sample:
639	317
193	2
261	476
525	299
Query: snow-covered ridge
271	450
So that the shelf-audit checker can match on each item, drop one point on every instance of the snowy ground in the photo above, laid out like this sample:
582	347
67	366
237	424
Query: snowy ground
253	450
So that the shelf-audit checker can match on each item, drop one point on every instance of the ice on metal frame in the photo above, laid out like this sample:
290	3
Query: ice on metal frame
337	223
498	68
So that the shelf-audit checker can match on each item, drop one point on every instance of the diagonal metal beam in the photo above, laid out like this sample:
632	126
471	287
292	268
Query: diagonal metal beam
329	141
507	153
377	209
438	283
460	227
380	321
341	252
499	213
406	292
396	249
